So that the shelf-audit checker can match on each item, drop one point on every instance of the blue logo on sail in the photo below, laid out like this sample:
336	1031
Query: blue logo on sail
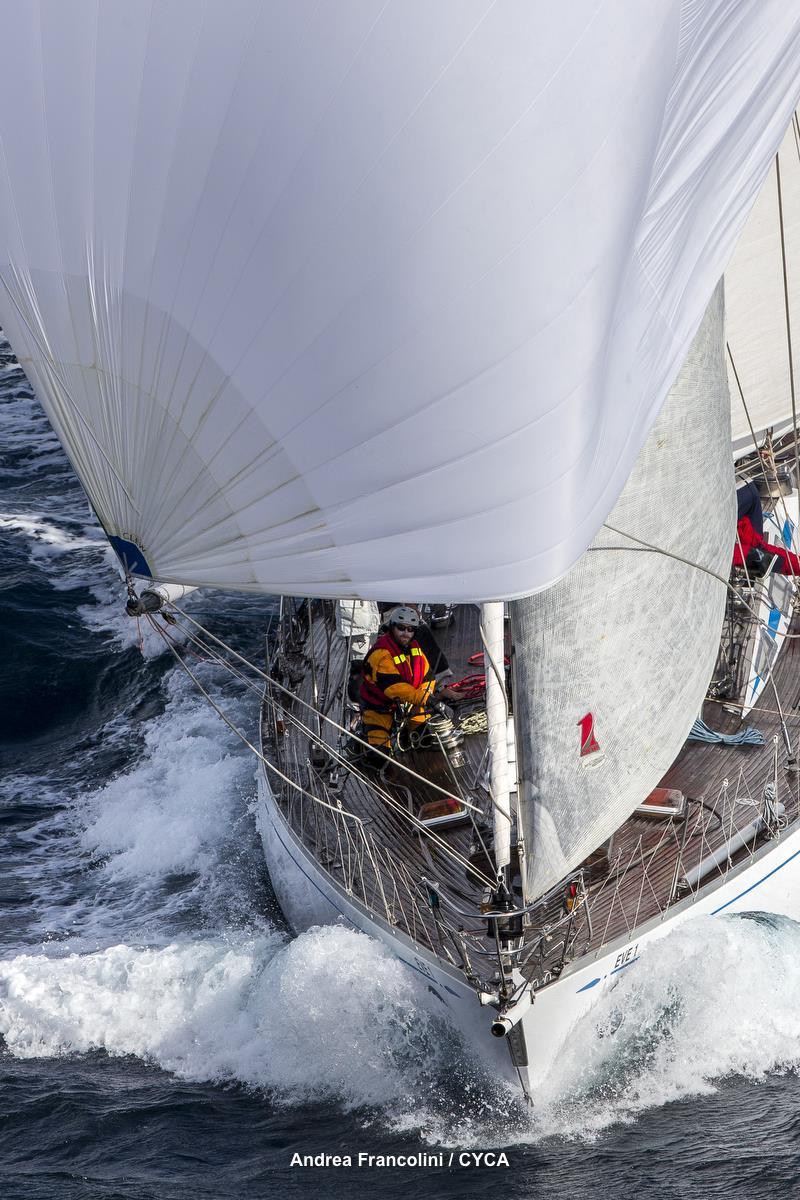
131	557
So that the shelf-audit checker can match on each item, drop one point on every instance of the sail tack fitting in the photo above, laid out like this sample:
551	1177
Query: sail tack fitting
154	598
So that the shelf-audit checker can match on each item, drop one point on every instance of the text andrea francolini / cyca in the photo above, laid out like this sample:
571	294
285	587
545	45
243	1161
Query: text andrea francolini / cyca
448	1158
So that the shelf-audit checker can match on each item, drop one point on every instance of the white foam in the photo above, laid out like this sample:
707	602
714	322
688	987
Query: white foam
107	614
48	537
717	998
77	555
176	806
331	1014
168	843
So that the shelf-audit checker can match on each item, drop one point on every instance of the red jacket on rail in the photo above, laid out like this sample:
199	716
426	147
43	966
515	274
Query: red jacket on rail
747	539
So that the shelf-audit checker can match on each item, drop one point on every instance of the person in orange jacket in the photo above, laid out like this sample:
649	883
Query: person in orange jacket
397	681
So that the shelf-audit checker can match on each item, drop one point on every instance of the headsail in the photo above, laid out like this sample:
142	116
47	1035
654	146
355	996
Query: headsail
611	664
337	299
755	303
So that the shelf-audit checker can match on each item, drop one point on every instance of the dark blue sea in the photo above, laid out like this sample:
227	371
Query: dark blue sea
163	1035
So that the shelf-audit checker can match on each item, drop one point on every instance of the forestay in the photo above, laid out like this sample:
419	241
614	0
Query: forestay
342	299
612	664
755	301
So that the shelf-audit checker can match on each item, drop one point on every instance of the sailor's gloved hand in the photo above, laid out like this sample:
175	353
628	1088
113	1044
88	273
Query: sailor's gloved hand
447	693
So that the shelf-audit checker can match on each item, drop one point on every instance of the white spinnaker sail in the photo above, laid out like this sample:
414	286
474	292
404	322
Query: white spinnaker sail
344	299
755	304
613	662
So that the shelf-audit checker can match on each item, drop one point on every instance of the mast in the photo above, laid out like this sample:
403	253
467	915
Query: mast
493	638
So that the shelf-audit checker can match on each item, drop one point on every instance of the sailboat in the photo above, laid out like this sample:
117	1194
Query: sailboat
363	306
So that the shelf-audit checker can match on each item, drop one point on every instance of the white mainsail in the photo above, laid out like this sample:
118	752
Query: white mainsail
612	663
755	303
357	300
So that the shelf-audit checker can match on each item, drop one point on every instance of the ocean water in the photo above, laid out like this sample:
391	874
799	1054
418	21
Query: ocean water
163	1035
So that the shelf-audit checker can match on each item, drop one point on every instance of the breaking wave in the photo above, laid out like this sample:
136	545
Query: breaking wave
332	1016
329	1014
714	1000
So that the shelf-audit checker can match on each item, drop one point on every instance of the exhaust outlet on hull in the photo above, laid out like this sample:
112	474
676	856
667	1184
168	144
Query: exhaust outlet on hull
505	1021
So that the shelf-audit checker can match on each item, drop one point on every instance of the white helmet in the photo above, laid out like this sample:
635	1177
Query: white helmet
403	615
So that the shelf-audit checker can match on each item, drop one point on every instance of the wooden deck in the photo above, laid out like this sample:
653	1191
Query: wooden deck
376	855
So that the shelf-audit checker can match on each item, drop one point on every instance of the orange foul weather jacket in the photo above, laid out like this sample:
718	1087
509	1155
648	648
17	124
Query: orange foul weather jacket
393	676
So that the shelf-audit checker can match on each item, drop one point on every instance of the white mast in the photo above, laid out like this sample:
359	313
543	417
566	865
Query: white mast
493	638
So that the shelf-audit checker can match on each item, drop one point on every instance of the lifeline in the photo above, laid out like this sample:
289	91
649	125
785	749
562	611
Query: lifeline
368	1160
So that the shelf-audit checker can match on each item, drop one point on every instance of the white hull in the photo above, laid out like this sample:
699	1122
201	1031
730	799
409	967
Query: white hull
309	896
769	883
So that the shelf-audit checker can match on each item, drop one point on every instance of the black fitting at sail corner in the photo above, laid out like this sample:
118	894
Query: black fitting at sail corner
148	602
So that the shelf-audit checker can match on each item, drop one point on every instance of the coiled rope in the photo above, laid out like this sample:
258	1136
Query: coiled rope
700	732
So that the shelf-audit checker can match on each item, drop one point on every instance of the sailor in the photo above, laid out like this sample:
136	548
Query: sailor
751	549
397	682
748	504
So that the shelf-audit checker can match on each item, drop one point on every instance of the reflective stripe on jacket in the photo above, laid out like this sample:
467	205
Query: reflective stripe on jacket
395	676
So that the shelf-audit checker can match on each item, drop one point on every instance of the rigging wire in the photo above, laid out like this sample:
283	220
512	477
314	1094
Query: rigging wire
771	712
240	734
391	802
305	704
756	447
788	318
728	585
689	563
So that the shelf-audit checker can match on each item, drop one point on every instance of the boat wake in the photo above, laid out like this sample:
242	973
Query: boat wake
330	1016
297	1018
155	935
714	1001
162	847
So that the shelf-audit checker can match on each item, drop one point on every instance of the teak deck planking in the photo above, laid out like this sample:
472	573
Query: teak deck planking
621	894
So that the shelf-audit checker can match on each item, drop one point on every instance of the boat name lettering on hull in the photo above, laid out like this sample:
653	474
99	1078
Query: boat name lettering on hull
625	956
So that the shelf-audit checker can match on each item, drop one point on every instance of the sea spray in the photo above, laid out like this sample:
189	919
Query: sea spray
171	811
714	999
329	1014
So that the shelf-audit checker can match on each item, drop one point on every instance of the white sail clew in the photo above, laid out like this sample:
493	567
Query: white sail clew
344	299
611	664
755	304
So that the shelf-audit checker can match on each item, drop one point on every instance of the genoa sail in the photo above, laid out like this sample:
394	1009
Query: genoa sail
755	303
334	300
612	664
